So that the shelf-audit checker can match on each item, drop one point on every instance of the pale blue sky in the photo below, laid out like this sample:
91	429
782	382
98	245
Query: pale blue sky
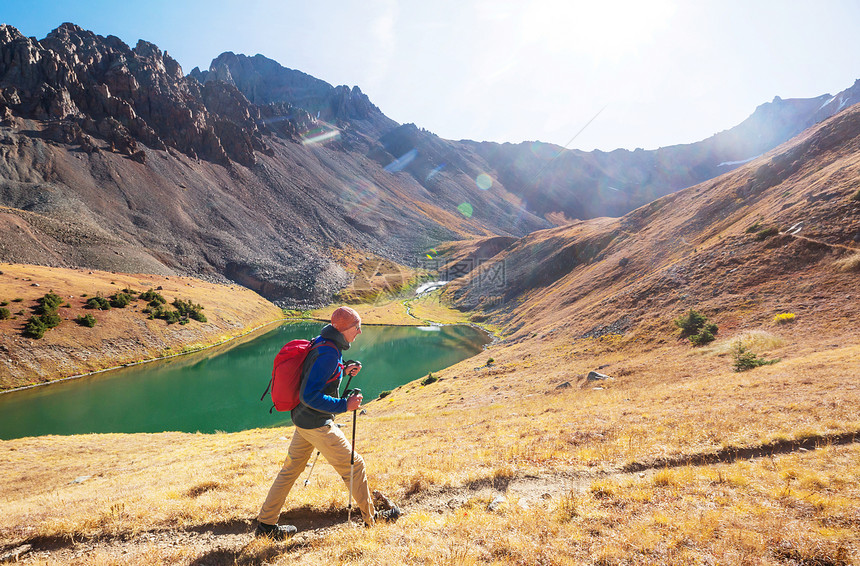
664	71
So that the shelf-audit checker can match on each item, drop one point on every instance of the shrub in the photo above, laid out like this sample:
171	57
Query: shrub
86	320
754	228
38	325
50	320
429	379
49	303
154	299
34	328
17	300
690	323
384	394
187	309
766	233
695	326
120	300
129	291
850	263
98	303
705	336
4	304
784	318
745	359
4	313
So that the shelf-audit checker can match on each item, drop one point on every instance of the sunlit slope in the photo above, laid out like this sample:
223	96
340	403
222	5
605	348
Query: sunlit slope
750	244
120	335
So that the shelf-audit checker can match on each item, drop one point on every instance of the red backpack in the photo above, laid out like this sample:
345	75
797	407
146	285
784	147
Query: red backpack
286	379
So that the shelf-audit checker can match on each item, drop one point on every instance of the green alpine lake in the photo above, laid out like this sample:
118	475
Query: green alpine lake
219	389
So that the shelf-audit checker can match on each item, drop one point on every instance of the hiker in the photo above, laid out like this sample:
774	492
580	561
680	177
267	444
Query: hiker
313	418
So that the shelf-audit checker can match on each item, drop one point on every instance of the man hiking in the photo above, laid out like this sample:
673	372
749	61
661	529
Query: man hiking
313	417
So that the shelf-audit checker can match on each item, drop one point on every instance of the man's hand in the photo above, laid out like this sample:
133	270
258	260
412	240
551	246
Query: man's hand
352	369
353	402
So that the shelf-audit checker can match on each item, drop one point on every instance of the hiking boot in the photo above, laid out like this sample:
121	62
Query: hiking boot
274	532
388	515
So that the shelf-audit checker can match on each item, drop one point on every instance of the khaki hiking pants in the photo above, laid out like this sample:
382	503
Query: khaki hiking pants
333	445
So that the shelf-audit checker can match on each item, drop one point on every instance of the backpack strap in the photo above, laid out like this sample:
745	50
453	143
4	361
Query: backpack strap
324	342
339	370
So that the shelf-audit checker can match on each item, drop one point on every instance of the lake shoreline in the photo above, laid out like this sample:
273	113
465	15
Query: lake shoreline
121	336
219	389
148	360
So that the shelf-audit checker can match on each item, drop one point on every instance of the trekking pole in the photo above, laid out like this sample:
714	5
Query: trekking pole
308	480
351	466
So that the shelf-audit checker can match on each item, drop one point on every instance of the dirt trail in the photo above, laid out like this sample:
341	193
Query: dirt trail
226	543
820	242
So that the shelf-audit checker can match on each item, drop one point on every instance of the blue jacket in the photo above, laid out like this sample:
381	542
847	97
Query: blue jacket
319	395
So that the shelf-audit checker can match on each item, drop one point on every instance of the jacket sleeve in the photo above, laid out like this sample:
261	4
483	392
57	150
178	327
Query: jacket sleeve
313	393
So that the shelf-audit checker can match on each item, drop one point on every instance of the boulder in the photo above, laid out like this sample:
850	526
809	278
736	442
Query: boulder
595	376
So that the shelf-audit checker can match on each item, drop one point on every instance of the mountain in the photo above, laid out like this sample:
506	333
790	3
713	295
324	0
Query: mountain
111	158
779	234
264	82
584	185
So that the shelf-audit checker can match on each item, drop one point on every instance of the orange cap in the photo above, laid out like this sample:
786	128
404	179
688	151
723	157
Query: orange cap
344	318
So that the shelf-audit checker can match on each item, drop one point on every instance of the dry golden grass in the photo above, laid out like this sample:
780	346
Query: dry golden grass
755	340
415	311
445	450
390	312
849	263
120	336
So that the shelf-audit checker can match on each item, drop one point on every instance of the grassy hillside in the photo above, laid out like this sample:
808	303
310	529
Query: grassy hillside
677	459
120	335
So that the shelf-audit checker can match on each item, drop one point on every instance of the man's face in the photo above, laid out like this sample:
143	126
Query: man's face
352	332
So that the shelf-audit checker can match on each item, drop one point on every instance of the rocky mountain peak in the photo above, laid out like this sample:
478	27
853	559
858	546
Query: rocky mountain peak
265	81
103	88
9	33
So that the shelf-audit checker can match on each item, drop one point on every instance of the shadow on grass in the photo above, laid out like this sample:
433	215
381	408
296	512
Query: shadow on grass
733	454
310	519
304	518
250	555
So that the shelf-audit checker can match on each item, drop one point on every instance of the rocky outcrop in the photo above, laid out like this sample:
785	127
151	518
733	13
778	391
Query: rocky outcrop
265	82
127	96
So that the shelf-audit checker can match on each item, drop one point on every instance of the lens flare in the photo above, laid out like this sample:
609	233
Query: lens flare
484	181
319	135
466	209
544	150
401	162
360	199
433	173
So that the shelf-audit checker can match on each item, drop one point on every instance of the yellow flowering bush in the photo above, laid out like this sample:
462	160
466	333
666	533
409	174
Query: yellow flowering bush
784	318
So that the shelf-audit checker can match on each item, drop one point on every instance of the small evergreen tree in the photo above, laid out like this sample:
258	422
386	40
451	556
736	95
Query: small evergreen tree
98	303
120	300
745	359
695	326
49	303
86	320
